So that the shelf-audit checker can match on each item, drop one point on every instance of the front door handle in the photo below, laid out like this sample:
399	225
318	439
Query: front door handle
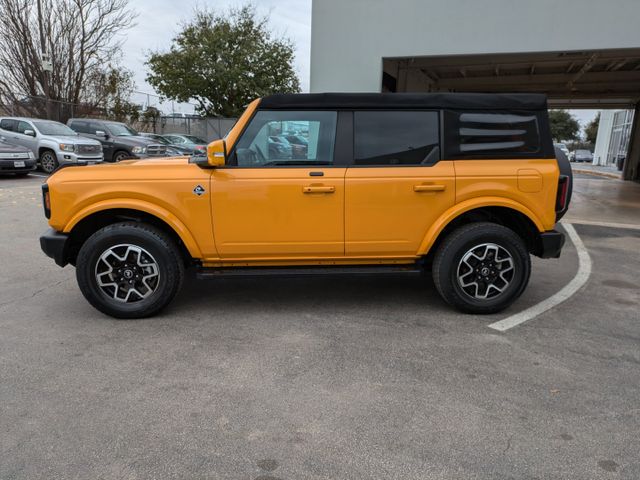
429	188
318	189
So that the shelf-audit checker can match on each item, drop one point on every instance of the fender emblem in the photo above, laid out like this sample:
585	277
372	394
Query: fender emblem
199	190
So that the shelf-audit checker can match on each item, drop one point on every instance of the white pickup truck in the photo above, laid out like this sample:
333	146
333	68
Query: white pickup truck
53	143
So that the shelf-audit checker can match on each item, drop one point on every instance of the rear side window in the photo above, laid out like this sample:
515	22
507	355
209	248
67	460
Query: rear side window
396	138
493	135
8	124
79	126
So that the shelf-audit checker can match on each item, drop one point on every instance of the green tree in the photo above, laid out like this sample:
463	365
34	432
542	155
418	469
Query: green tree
591	130
222	62
563	125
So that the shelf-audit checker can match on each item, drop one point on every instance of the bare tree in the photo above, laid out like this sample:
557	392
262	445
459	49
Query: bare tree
80	39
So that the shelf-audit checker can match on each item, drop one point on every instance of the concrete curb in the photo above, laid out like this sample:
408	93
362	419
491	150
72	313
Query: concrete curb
598	174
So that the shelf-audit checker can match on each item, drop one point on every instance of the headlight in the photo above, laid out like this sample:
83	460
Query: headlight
138	150
67	147
31	155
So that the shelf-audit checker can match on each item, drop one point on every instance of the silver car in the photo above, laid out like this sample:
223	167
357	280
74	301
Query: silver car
53	143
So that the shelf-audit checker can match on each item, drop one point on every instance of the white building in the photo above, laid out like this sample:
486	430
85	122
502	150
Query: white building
581	53
614	133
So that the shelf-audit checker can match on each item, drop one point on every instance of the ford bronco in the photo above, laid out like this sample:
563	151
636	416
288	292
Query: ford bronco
466	186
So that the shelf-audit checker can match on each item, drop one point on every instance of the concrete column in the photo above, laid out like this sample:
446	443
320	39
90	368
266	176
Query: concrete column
603	139
632	162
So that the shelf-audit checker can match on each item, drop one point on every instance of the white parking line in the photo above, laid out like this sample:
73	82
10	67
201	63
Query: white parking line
582	276
628	226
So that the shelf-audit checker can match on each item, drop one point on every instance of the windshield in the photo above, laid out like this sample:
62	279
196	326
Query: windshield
583	152
121	130
194	139
53	128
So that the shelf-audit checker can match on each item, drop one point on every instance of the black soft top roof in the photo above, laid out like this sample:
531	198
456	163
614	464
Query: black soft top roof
454	101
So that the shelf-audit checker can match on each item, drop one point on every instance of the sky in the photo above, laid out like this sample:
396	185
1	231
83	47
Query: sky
160	20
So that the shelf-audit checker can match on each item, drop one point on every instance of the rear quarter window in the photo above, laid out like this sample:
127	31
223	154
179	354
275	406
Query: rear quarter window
477	134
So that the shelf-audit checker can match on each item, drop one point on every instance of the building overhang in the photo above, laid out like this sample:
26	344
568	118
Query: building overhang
570	79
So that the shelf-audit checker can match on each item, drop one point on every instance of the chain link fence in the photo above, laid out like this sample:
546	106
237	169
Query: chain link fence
206	128
148	115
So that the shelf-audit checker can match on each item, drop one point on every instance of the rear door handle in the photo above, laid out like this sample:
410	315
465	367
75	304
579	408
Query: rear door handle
428	188
318	189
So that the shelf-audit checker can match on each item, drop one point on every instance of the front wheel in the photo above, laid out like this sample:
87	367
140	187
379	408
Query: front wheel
481	268
129	270
48	161
120	155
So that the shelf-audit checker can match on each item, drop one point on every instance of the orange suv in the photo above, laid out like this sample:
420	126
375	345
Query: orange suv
466	185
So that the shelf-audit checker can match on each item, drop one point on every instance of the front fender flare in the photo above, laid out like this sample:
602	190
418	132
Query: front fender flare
452	213
135	204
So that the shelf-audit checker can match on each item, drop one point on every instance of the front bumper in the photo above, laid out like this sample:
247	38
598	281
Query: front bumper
80	159
55	245
8	166
551	244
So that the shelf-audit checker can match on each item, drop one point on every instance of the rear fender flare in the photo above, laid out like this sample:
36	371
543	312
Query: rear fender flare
452	213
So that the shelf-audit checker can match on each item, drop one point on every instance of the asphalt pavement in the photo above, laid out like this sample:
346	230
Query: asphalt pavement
319	378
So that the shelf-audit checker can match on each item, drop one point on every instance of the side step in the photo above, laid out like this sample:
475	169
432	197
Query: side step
208	273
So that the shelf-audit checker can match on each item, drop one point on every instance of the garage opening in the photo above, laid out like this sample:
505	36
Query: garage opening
600	79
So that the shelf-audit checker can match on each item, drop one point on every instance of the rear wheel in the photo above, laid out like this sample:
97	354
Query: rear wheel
48	161
481	268
129	270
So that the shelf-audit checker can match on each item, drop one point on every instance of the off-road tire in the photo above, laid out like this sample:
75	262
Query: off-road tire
158	244
460	241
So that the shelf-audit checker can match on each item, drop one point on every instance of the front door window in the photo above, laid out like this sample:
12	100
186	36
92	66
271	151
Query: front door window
266	142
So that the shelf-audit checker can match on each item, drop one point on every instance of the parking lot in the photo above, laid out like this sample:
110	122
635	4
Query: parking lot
324	377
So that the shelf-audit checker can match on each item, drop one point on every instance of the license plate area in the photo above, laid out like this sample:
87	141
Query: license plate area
19	164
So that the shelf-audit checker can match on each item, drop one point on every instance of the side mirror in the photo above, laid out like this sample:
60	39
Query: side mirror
101	133
217	153
31	133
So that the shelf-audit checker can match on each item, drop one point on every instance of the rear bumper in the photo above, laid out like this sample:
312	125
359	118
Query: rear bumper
55	245
551	244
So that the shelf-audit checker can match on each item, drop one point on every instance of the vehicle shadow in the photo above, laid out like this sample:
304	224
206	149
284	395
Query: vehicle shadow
324	294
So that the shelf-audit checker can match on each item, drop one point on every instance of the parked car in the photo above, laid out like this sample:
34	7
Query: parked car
16	159
53	143
190	143
562	147
351	207
171	149
119	141
583	156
